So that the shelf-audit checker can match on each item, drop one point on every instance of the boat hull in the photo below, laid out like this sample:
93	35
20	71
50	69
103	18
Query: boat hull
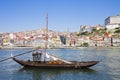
56	65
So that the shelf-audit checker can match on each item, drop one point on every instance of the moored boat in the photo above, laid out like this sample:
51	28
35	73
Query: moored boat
55	64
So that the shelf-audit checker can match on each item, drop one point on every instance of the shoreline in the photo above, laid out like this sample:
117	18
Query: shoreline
69	47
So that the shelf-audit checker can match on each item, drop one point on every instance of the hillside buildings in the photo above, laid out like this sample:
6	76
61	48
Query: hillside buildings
88	34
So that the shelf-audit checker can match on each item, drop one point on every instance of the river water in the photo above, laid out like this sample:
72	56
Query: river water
107	69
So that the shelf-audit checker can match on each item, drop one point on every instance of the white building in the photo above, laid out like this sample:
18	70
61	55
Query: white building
112	26
112	22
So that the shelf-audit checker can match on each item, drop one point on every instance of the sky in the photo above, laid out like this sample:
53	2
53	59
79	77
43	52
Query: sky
24	15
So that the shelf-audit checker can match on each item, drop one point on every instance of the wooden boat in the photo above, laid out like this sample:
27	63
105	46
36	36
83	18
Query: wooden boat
51	61
55	63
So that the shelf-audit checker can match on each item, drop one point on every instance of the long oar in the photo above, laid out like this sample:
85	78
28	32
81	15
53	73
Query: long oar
16	56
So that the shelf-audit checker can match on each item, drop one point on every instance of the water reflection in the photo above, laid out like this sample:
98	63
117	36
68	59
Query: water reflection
55	74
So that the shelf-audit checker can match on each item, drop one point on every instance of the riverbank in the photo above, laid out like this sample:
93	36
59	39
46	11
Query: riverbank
68	47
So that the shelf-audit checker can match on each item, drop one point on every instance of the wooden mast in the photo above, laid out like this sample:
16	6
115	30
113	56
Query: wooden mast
46	34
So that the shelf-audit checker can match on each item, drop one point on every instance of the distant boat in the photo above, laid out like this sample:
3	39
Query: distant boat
54	61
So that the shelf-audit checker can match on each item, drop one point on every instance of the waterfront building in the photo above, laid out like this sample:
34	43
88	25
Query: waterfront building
112	26
112	22
97	27
85	28
68	40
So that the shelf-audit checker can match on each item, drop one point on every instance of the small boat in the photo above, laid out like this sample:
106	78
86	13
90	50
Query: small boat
56	64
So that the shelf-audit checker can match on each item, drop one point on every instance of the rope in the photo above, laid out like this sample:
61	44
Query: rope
16	55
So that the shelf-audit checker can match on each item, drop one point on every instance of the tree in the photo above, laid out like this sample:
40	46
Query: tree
117	30
85	44
99	32
102	31
79	34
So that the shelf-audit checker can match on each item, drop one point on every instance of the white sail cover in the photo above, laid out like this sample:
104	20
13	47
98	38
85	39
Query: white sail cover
56	58
47	56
